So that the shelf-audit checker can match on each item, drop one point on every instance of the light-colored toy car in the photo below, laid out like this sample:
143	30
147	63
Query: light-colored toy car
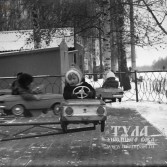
82	111
16	105
110	94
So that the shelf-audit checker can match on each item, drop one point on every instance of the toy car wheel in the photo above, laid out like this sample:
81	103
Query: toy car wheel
95	125
18	110
64	127
56	109
114	100
102	126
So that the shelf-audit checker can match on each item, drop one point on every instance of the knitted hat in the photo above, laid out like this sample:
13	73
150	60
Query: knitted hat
76	71
109	75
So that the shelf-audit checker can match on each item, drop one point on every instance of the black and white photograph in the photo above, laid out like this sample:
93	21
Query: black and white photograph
83	83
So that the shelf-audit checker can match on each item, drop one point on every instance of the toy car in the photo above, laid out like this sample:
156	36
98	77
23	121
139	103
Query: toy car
84	111
16	105
5	92
110	94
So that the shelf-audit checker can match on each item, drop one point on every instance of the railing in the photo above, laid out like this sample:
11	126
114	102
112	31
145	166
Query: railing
145	85
53	84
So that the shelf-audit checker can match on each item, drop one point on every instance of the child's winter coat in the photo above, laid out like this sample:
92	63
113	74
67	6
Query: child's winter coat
110	81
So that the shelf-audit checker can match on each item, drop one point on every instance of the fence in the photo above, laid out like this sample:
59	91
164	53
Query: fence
145	85
151	86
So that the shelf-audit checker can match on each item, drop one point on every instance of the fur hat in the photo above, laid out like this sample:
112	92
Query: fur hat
75	70
109	74
25	80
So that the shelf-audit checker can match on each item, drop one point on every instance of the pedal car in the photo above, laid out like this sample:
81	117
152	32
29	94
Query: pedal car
110	94
84	111
15	104
5	92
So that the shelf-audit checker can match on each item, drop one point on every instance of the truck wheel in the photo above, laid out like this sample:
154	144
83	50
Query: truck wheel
102	126
18	110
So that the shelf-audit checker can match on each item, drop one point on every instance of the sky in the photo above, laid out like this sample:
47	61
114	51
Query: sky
147	55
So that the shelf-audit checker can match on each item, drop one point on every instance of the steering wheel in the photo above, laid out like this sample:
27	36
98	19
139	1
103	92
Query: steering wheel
82	91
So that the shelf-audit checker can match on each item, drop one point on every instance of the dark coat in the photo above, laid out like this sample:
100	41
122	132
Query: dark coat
110	83
14	87
68	91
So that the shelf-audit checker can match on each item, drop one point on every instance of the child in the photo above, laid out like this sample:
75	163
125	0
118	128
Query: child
74	78
24	89
109	80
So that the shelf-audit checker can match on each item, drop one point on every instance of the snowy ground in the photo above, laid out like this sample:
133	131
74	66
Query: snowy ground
154	113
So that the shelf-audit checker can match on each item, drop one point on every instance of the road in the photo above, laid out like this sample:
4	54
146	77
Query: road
128	140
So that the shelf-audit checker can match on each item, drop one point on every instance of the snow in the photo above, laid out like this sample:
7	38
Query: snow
154	113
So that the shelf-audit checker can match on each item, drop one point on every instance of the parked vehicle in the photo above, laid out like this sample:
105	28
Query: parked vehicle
83	111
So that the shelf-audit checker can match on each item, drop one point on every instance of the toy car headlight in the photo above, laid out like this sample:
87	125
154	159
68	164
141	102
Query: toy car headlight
69	111
100	110
2	110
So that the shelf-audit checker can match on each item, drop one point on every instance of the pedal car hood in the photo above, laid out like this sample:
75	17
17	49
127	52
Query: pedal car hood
79	102
42	96
10	98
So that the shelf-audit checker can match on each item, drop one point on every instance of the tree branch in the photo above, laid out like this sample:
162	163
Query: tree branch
158	23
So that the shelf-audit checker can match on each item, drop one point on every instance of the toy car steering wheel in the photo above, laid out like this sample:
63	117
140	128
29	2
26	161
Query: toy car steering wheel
80	90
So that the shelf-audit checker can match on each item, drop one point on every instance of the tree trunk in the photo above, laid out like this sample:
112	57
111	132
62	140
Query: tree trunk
106	36
124	77
132	29
36	26
100	52
113	36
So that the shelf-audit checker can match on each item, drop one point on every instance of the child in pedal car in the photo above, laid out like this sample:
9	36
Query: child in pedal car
74	78
110	80
25	82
